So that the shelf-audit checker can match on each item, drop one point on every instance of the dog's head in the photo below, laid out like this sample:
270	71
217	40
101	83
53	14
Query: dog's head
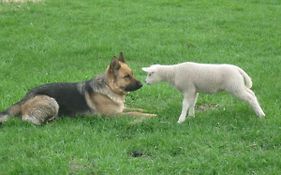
152	74
120	76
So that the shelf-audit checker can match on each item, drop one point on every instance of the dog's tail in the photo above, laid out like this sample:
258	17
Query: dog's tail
3	117
247	78
13	110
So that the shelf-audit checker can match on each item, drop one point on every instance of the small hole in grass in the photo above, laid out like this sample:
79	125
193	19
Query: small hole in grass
176	151
136	153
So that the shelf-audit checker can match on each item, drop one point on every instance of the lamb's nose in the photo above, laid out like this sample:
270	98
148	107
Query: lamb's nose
146	82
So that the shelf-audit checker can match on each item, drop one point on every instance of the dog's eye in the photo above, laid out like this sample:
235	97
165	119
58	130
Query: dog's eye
127	76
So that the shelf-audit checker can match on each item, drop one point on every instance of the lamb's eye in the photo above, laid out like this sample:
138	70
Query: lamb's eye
149	74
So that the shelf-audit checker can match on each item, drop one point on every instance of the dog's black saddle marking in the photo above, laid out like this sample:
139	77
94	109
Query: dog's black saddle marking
70	99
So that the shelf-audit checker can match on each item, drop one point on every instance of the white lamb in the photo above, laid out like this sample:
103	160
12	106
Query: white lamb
191	78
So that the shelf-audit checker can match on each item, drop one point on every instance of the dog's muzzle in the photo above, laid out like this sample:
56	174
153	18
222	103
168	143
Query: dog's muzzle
133	86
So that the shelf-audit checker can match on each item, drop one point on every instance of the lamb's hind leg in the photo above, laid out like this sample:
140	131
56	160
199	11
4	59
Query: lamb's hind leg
39	109
188	101
248	95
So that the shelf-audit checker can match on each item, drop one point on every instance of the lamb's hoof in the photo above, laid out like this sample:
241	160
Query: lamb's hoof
191	116
261	115
180	121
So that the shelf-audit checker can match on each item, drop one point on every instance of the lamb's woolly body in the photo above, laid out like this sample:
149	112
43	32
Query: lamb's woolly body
191	78
208	78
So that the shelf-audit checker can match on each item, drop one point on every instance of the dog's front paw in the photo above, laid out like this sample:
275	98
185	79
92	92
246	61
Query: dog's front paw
151	115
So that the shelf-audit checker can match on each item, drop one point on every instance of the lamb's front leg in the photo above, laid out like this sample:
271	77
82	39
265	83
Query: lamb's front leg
191	111
188	100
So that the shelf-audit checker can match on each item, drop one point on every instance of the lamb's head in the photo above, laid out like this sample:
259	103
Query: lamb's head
153	74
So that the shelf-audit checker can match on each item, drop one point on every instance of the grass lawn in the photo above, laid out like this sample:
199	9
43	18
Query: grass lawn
62	40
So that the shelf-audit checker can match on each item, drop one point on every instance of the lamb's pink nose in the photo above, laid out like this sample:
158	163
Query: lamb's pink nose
146	82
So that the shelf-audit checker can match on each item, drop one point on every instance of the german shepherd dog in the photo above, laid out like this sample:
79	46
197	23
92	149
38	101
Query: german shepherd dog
104	94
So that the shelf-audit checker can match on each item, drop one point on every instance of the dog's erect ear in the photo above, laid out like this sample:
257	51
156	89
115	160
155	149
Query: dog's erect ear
114	65
121	57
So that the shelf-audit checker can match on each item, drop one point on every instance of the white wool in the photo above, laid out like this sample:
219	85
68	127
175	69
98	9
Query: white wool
191	78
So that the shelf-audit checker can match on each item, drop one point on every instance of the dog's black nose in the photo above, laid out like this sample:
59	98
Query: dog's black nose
133	86
139	84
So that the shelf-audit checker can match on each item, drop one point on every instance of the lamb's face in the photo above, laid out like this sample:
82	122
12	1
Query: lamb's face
152	74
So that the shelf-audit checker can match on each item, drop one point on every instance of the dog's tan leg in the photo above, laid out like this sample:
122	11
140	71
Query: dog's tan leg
138	114
133	110
31	119
39	109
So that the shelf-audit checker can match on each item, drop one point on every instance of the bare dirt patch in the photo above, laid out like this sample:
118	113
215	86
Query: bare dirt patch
206	106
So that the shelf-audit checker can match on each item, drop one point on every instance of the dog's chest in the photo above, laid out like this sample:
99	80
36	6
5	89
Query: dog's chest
103	104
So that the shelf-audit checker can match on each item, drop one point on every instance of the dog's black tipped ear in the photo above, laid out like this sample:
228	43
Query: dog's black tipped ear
121	57
114	65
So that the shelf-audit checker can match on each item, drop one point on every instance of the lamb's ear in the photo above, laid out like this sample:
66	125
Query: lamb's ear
145	69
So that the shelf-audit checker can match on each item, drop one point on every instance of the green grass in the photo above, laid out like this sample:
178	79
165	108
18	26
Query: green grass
60	40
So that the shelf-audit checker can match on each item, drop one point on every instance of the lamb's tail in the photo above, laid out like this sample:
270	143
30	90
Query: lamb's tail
13	110
247	78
